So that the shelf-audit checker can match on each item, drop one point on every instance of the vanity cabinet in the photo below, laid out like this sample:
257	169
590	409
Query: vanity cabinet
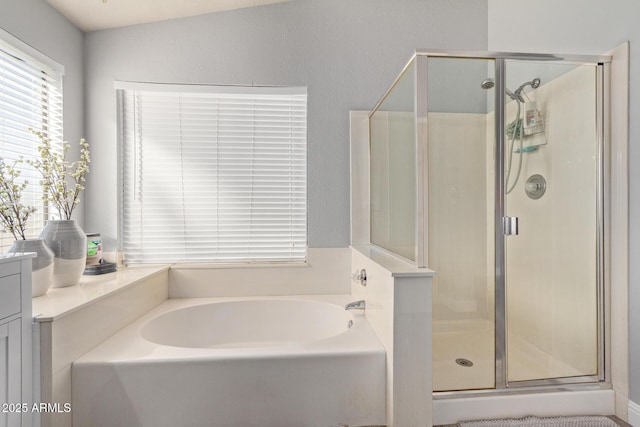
15	340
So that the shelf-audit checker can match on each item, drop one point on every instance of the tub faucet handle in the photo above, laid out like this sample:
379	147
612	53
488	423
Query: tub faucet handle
356	305
362	277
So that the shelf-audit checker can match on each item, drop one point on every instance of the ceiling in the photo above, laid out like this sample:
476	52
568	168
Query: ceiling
91	15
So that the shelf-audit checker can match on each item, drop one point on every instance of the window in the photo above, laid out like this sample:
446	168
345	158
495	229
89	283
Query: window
212	173
30	97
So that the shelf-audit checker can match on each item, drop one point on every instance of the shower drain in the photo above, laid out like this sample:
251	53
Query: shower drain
464	362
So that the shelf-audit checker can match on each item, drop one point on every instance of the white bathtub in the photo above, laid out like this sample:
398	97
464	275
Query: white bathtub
269	361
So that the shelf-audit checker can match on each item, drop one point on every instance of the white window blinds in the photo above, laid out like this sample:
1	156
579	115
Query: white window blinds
213	174
30	97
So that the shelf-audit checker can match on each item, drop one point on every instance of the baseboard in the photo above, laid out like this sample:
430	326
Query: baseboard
634	414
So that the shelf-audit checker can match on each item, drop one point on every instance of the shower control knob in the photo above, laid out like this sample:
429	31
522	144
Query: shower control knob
535	186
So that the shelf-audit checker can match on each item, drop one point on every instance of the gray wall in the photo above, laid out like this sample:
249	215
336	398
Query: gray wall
346	51
43	28
589	27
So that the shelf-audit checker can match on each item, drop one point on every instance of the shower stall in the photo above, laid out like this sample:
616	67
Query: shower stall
490	169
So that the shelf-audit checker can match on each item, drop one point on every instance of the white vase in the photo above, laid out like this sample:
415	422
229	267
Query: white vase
69	245
41	266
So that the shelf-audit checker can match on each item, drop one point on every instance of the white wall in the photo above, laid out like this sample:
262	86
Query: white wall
43	28
346	52
590	27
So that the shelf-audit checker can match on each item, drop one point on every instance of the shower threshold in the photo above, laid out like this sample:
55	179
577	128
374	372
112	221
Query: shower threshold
515	391
539	401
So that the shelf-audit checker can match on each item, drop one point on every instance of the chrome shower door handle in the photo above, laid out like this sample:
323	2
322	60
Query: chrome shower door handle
510	225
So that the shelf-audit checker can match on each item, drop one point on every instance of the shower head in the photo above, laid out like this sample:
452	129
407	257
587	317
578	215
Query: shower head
490	83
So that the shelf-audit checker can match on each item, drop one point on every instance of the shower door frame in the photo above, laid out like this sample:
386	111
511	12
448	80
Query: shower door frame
602	64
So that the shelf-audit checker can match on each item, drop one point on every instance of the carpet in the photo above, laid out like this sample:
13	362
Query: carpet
582	421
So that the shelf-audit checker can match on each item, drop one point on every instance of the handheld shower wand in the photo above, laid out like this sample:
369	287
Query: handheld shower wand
516	127
533	83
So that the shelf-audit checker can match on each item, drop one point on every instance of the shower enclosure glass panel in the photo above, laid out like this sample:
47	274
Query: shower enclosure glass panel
460	159
551	265
393	165
489	168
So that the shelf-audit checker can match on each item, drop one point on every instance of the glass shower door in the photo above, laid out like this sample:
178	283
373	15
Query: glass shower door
552	180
